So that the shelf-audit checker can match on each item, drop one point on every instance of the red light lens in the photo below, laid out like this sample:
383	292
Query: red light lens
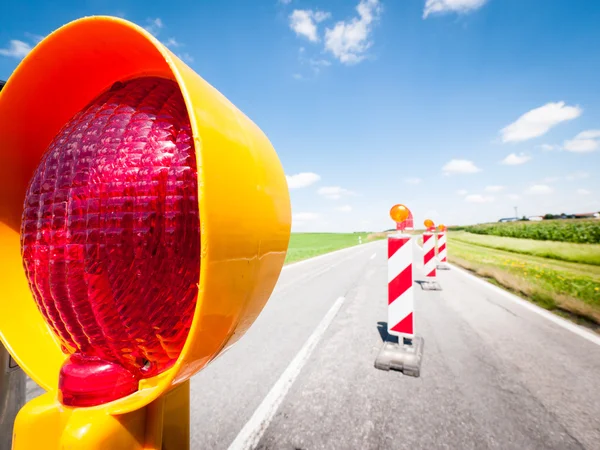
111	234
90	381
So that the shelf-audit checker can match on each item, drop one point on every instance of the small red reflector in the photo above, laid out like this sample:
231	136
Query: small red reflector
90	381
110	235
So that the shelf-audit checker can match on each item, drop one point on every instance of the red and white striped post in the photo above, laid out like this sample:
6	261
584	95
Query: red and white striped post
441	247
429	265
406	353
400	286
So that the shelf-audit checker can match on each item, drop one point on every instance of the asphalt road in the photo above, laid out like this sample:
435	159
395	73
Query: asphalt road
497	372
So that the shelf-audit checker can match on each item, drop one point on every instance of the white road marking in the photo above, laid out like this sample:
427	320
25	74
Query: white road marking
373	255
582	332
252	432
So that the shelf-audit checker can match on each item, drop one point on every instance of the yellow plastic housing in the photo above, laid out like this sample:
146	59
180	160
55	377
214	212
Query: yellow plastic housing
243	195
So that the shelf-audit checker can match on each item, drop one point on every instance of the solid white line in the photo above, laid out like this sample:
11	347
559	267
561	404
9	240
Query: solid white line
582	332
373	256
324	255
250	435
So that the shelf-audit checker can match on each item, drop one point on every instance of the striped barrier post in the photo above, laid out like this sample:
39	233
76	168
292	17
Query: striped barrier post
429	265
400	286
441	248
401	350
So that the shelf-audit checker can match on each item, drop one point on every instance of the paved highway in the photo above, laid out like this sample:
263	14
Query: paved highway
497	372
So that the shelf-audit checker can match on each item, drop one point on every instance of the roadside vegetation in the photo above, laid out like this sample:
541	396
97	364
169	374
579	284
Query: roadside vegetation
559	275
583	231
307	245
562	251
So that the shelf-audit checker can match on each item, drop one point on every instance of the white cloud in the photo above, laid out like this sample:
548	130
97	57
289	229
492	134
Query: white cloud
540	189
538	121
333	192
35	37
460	166
304	22
154	26
586	141
186	57
444	6
589	134
515	160
477	198
412	180
494	188
345	208
583	192
577	176
16	49
304	216
317	64
172	42
513	197
462	192
301	180
549	147
349	40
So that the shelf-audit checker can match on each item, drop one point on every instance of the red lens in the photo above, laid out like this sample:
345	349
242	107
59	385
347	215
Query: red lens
111	233
89	381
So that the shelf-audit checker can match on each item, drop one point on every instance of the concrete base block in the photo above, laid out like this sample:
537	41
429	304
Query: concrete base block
431	286
405	356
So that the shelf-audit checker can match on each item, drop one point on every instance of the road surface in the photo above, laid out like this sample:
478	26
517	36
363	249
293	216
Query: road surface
497	372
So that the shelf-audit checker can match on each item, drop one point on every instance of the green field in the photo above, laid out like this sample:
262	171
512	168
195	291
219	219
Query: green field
562	251
583	231
307	245
563	277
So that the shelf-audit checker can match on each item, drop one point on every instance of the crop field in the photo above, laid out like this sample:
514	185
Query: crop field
307	245
576	230
561	276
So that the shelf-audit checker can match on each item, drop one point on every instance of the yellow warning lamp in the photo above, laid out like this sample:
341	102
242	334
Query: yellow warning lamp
399	213
125	265
429	224
442	227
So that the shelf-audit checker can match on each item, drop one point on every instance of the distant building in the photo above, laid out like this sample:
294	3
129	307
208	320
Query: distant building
509	219
536	218
590	215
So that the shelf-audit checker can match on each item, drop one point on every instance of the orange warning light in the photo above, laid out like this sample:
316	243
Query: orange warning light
399	213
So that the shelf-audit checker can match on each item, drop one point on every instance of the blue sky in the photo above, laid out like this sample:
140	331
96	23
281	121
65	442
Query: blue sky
461	109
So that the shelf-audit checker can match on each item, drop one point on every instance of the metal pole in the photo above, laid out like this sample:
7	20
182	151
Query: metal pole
12	396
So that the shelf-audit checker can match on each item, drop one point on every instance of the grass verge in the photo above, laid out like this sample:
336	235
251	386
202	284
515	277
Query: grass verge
308	245
566	288
562	251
